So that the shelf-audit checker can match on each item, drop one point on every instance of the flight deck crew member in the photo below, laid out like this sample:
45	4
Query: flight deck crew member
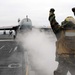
65	44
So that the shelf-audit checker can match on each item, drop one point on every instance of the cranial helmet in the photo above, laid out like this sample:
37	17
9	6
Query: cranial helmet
68	22
71	19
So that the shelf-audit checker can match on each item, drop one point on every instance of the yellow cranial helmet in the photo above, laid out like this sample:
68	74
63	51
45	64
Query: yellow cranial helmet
71	19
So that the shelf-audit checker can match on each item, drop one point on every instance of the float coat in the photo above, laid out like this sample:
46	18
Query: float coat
65	45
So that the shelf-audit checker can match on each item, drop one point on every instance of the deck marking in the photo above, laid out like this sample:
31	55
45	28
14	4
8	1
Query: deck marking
10	50
15	48
26	69
1	47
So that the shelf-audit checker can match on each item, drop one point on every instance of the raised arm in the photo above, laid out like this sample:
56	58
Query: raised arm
54	24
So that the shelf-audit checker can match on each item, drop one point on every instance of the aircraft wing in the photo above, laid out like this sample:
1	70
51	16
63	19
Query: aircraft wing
10	28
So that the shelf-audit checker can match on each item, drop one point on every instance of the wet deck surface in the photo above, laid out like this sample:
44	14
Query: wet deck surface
12	60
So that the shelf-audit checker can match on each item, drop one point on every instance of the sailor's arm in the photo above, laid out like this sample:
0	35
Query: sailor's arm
54	24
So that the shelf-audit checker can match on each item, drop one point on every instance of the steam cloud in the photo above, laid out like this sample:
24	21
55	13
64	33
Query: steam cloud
39	52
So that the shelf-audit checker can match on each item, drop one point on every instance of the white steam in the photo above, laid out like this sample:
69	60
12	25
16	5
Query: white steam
39	52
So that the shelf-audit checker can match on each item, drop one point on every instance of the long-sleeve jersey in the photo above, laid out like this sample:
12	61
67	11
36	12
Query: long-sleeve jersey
55	25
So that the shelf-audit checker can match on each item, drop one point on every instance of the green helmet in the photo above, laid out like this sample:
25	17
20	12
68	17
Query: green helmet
69	22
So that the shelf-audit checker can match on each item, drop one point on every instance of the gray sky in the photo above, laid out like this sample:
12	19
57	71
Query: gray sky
37	10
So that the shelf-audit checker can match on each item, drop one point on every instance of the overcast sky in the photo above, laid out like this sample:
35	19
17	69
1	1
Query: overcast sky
37	10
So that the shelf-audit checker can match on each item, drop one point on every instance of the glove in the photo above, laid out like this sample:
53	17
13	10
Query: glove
51	13
73	10
52	10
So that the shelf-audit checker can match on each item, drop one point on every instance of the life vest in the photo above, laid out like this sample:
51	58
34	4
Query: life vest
65	45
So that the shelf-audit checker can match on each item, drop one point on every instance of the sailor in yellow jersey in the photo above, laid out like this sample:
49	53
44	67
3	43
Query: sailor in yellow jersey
65	44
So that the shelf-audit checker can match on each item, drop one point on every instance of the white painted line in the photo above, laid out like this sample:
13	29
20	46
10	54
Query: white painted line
15	48
10	50
14	65
1	47
8	40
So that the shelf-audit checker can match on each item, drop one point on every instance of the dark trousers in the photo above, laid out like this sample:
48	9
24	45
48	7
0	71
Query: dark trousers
64	67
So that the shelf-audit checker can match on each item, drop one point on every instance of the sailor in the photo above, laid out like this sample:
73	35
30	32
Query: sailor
10	32
65	44
4	32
